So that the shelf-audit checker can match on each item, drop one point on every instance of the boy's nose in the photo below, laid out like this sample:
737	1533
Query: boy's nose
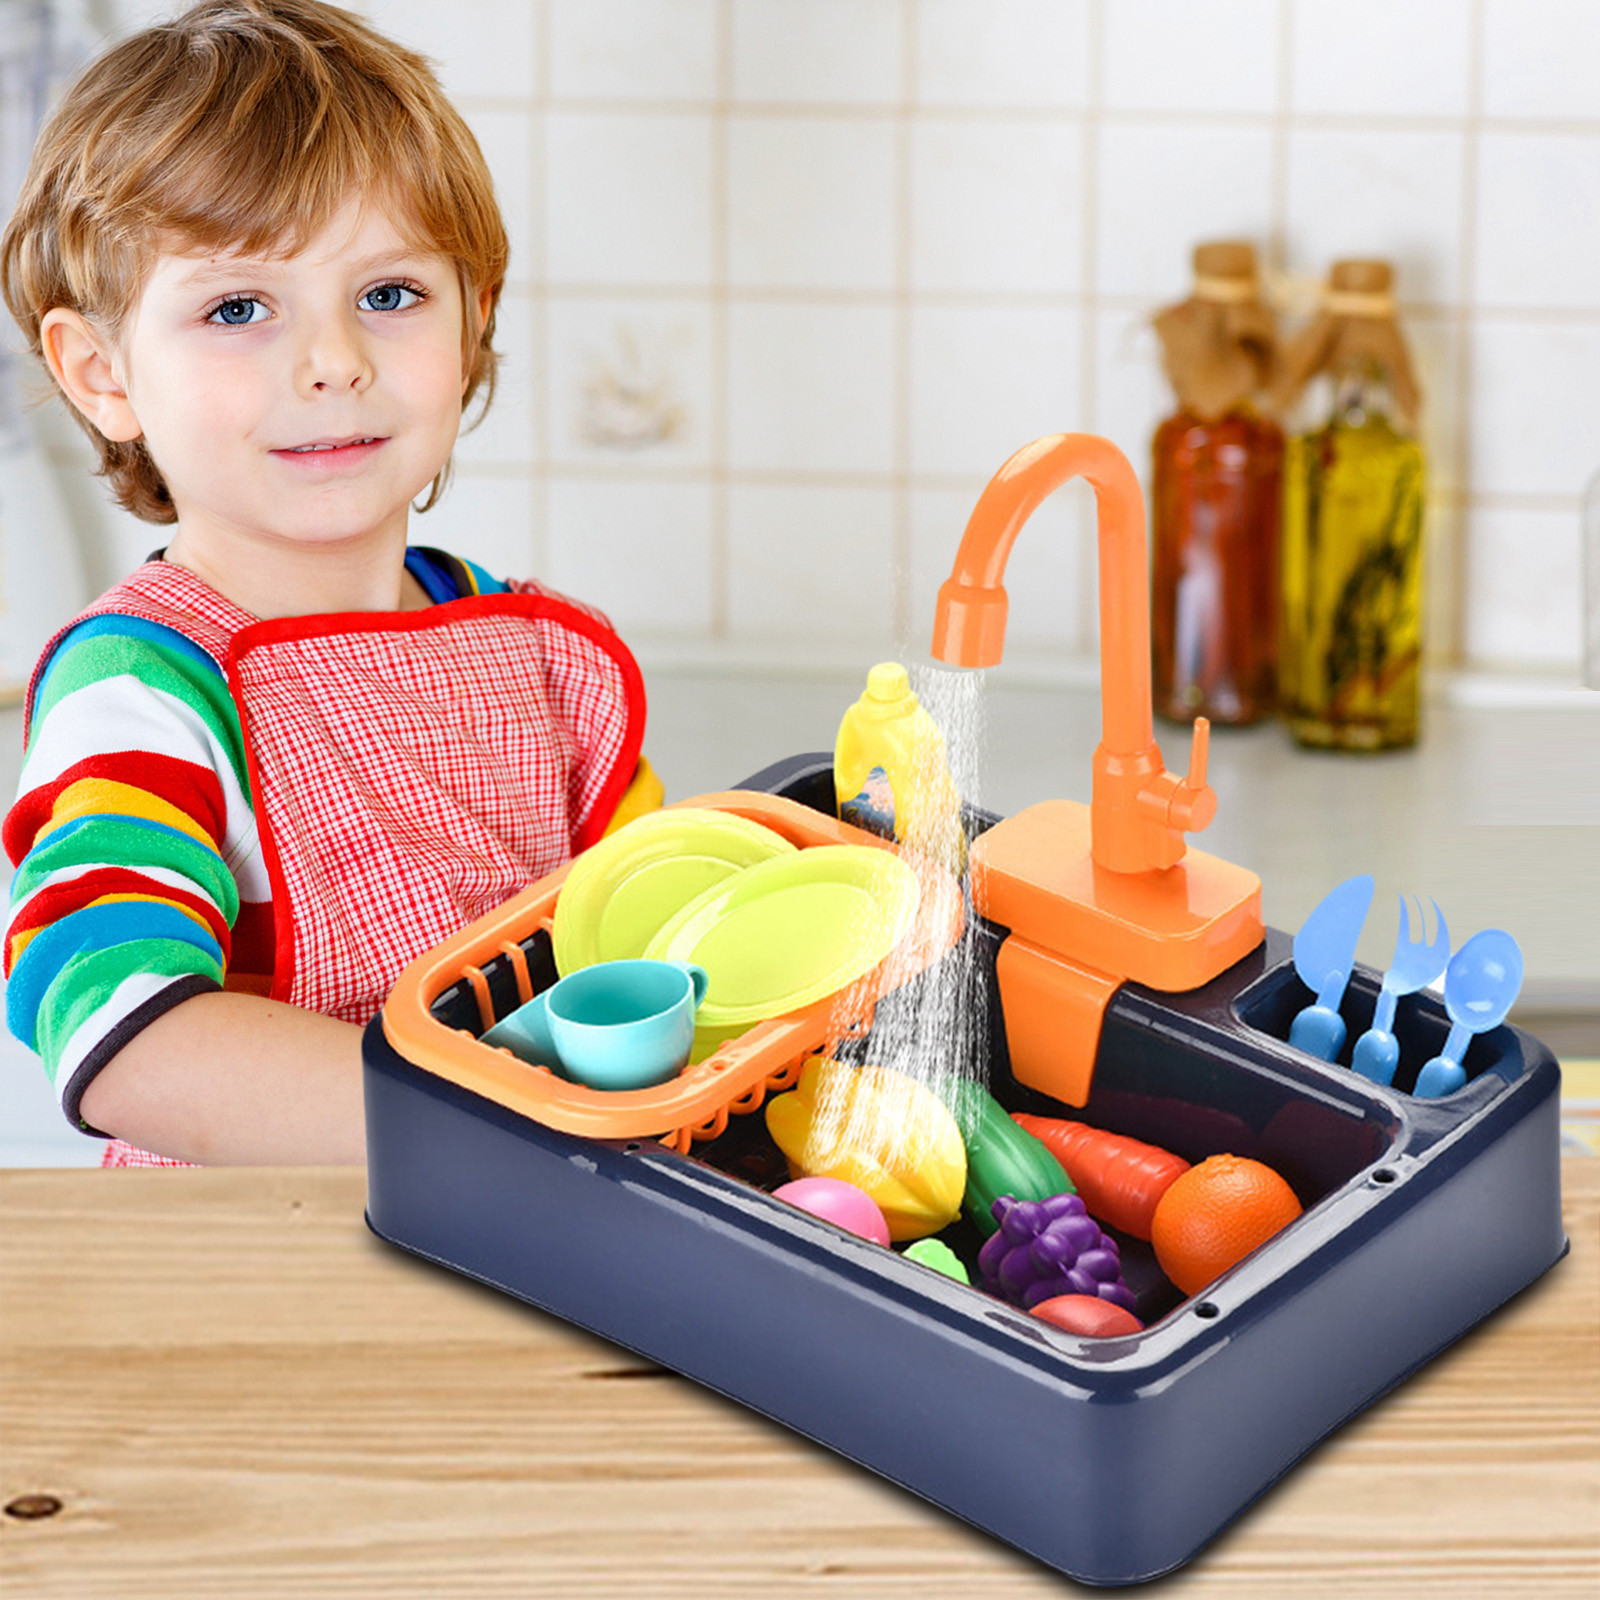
334	359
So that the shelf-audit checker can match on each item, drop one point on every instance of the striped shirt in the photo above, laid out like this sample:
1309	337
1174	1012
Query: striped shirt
140	878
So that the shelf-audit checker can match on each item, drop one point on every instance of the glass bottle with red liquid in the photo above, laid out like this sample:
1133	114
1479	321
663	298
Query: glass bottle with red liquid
1215	501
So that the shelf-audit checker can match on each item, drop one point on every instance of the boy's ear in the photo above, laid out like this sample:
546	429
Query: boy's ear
80	360
485	306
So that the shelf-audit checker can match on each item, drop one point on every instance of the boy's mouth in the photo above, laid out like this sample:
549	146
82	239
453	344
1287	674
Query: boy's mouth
333	451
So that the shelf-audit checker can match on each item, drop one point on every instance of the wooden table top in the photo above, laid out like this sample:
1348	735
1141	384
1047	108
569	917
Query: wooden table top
233	1389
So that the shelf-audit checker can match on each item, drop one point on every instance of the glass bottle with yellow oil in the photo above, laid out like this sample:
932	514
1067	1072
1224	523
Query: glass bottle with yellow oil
1350	645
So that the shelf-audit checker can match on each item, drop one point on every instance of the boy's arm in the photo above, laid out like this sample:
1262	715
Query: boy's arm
235	1079
139	890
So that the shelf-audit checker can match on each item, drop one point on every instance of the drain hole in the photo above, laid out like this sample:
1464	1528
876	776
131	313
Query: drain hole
1385	1175
1207	1310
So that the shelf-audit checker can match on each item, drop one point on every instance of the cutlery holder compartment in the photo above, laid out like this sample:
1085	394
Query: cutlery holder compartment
1113	1460
1420	1024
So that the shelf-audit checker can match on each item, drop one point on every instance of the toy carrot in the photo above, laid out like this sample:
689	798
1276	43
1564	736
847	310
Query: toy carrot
1120	1179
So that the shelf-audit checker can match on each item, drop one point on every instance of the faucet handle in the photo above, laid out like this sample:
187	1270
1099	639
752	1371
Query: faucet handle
1175	805
1194	801
1199	750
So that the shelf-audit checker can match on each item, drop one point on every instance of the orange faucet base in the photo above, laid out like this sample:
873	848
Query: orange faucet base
1082	930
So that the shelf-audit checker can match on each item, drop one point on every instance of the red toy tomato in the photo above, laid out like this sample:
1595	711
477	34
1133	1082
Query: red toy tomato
1088	1315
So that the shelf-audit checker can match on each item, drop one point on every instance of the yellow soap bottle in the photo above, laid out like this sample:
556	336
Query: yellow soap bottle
890	772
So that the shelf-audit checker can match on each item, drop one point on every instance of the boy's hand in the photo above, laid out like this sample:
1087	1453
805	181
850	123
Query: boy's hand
235	1080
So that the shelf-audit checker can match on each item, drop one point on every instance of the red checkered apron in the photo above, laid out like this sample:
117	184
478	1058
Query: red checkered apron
409	770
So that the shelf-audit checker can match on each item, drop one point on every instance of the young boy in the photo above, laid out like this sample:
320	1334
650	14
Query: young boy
260	255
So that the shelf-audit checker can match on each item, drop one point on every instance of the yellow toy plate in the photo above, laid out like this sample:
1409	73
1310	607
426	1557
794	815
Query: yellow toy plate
622	891
789	931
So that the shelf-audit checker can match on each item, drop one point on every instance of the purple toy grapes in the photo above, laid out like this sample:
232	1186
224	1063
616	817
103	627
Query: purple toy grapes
1050	1247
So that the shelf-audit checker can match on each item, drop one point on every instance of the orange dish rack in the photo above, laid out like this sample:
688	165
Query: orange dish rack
511	945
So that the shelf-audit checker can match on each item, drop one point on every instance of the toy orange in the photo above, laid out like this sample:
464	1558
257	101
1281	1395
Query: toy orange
1215	1215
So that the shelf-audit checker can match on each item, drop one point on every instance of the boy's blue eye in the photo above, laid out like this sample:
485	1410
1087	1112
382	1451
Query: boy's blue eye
389	297
238	312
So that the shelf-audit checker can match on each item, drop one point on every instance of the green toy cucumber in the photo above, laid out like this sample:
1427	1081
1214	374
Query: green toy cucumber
1005	1159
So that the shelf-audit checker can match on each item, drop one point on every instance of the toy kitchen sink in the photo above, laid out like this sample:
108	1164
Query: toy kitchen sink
1130	985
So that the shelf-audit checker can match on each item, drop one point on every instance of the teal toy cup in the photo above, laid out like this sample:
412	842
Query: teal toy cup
615	1025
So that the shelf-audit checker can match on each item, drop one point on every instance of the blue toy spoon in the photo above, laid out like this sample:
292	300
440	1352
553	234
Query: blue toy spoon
1324	952
1414	967
1480	986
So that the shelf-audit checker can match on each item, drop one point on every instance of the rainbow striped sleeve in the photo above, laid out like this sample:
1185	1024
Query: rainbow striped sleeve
139	874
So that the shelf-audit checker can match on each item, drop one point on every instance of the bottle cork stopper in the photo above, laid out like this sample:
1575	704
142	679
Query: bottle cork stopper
1225	258
1357	328
1225	272
1361	277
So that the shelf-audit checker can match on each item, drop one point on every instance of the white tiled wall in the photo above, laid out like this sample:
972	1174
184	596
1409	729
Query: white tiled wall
791	278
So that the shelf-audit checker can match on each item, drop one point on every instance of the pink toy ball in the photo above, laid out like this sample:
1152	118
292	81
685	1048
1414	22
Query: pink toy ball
840	1203
1088	1315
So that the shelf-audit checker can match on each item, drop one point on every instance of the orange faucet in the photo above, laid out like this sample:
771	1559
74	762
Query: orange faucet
1091	895
1140	811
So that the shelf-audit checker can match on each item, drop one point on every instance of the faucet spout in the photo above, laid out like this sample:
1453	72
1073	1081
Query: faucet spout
1139	811
1091	895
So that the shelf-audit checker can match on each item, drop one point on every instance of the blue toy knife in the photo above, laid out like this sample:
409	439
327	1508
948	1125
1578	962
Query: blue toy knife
1324	952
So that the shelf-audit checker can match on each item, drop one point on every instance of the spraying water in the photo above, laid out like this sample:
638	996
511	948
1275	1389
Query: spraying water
930	1030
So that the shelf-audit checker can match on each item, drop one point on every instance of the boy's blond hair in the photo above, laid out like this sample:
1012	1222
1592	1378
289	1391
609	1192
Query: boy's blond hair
241	125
